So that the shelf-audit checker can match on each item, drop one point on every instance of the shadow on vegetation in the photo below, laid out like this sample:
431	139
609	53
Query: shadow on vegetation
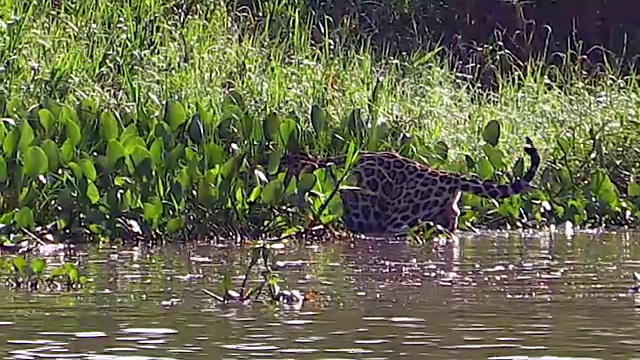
484	39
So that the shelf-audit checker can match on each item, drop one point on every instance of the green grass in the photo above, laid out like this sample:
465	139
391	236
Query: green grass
132	56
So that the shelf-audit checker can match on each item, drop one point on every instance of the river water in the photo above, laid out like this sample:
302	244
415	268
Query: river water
499	295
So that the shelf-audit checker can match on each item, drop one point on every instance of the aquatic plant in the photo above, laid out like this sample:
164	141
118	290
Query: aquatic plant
160	122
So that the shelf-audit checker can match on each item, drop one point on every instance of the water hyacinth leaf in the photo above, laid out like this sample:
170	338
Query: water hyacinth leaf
88	169
10	143
272	192
174	114
139	154
73	274
306	182
286	128
231	167
35	161
19	263
174	156
4	173
255	194
274	161
318	119
633	189
491	132
38	265
196	129
115	151
76	169
26	136
174	225
73	132
109	126
601	186
271	126
153	209
66	151
157	152
485	169
215	154
247	126
24	218
494	155
205	115
53	154
92	193
47	120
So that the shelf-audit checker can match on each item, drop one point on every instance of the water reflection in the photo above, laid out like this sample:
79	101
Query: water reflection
496	295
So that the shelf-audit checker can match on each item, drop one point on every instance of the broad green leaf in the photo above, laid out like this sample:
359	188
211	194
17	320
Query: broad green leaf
38	265
47	120
491	132
306	183
175	225
19	263
601	186
215	154
140	153
92	192
73	132
153	209
35	161
76	169
633	188
318	119
115	151
494	155
24	218
174	114
247	127
485	169
26	136
286	128
67	151
272	192
4	173
255	194
109	126
88	169
274	161
271	126
53	154
10	143
74	275
157	151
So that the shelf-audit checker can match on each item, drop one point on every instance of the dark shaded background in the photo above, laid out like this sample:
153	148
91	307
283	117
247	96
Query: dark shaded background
599	33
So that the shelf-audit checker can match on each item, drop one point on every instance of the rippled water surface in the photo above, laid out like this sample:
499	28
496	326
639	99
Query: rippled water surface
498	295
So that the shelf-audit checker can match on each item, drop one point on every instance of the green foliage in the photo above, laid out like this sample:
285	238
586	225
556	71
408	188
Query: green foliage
154	126
20	273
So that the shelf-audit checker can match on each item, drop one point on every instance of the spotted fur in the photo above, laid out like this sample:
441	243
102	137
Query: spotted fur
395	193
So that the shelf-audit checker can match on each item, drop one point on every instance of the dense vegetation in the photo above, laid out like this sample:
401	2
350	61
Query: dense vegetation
163	119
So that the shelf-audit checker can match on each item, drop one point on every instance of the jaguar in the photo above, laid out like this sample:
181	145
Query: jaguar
394	193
